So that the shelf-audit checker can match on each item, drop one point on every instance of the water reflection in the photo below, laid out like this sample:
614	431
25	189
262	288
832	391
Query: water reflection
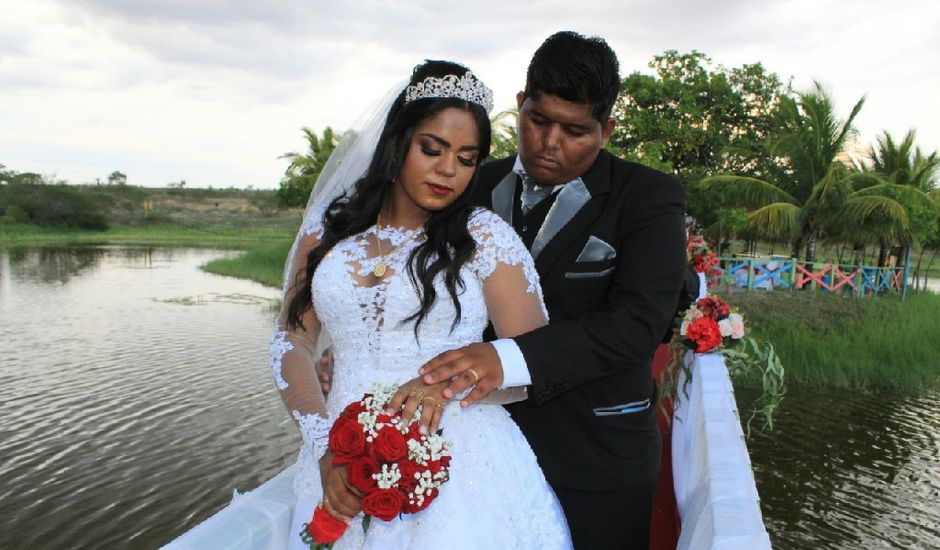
51	265
844	470
126	418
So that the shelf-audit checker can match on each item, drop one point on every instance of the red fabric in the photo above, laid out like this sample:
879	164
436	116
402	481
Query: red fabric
664	528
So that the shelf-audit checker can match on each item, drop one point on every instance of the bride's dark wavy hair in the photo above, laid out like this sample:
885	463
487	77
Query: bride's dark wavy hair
448	244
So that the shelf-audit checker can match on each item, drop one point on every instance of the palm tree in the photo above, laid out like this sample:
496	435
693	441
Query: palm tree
304	169
811	189
913	174
504	141
904	164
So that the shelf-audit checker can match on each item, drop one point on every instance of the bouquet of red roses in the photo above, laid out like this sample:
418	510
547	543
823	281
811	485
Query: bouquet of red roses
708	324
702	259
399	470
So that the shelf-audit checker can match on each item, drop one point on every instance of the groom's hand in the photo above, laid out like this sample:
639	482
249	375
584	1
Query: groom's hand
473	365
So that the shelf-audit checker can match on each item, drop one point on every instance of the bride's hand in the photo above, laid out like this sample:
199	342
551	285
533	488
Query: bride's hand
340	499
415	392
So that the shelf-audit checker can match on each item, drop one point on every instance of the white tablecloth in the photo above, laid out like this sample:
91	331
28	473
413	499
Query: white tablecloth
718	503
257	520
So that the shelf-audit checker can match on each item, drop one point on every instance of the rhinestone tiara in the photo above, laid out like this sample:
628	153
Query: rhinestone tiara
466	87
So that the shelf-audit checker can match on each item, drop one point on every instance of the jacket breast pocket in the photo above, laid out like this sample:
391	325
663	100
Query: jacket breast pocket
591	270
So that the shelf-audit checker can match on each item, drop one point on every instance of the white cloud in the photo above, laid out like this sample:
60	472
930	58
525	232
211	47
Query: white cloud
214	91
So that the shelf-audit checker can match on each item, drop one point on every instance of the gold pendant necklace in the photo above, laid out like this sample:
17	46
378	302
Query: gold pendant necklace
381	268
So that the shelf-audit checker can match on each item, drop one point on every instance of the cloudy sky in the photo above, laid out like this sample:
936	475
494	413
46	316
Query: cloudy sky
214	91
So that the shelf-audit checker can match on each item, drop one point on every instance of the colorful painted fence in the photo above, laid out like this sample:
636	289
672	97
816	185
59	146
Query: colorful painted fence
788	273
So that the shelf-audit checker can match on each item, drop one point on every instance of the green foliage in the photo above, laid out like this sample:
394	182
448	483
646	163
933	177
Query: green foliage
504	137
304	169
754	360
117	178
904	164
263	263
873	344
806	199
698	119
26	199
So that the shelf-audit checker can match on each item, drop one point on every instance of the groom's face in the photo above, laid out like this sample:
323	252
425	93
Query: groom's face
558	139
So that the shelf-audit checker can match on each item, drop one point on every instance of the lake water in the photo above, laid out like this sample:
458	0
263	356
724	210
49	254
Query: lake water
135	396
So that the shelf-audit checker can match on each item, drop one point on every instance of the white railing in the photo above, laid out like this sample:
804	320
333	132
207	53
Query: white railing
257	520
714	484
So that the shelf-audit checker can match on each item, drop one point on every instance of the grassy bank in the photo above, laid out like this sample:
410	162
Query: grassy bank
874	343
263	263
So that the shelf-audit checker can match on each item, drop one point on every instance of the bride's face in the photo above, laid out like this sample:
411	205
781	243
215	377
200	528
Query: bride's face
440	161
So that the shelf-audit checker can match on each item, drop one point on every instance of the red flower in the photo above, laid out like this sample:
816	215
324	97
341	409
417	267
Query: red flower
347	440
353	409
437	465
713	307
324	528
413	508
390	445
408	469
704	334
384	504
359	472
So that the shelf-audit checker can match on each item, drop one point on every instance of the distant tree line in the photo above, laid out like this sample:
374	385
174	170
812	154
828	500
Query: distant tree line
27	198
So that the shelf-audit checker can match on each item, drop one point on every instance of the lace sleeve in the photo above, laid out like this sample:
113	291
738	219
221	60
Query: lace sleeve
293	356
510	285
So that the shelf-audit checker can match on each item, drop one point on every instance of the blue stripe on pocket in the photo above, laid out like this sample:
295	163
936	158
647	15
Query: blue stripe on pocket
626	408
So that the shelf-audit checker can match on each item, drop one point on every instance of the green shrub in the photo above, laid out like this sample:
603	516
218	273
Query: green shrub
57	205
14	214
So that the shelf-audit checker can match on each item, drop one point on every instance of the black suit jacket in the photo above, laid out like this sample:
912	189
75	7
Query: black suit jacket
607	314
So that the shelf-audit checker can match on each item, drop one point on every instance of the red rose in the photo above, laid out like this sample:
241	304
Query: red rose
390	445
384	504
347	440
324	528
436	465
414	508
359	472
353	409
713	307
408	469
704	334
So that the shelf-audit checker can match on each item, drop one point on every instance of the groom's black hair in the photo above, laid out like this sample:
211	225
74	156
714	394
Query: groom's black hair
576	68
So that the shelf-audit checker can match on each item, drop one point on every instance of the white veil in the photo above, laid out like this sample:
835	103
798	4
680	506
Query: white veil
348	162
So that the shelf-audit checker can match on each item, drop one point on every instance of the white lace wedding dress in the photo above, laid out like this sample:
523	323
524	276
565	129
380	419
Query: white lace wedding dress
497	496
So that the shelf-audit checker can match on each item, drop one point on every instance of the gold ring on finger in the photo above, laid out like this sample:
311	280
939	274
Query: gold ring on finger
439	406
476	375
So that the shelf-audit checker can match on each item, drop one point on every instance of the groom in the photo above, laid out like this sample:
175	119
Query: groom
609	245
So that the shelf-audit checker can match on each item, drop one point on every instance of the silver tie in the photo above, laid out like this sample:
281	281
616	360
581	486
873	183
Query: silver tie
533	193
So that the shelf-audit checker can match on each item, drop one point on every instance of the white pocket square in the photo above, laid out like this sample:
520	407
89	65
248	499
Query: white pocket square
596	250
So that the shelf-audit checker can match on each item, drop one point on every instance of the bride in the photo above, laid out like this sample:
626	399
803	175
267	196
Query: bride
394	271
